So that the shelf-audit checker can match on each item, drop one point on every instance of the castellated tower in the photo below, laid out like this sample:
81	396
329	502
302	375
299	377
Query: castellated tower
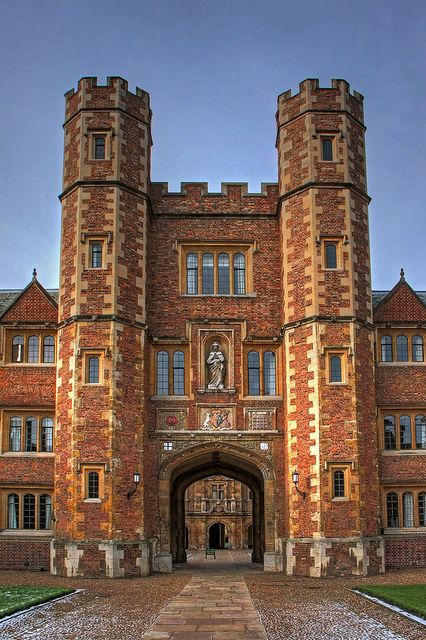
101	338
328	333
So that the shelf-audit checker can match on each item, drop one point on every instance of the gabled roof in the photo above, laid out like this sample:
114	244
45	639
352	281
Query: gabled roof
11	298
399	304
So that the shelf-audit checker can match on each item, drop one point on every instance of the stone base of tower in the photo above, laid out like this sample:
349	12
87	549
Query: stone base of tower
100	558
321	557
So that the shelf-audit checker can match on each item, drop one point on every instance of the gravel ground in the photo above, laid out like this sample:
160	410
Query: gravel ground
309	609
290	608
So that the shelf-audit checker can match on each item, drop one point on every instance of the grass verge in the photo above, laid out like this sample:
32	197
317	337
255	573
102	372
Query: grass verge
13	599
411	597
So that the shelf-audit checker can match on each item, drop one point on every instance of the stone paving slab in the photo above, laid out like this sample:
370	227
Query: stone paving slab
211	607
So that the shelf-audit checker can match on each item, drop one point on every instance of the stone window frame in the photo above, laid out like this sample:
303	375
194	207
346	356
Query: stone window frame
170	350
27	333
37	492
400	490
92	135
393	333
346	467
261	349
343	353
91	239
397	414
338	241
86	469
5	427
216	248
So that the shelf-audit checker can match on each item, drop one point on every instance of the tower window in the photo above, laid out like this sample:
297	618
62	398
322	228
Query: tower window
99	147
327	149
330	255
92	375
96	255
335	369
93	485
338	484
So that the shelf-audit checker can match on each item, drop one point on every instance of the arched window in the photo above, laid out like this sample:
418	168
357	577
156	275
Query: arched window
402	348
208	274
93	370
405	432
223	273
338	484
45	512
192	274
330	255
408	509
327	149
239	274
162	373
390	432
421	431
15	434
178	373
46	439
30	434
386	344
13	511
335	369
96	255
29	519
422	508
93	485
48	349
269	374
253	361
392	509
33	342
417	349
17	349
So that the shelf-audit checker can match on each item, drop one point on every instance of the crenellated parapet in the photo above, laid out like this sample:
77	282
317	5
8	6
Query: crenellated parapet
194	198
312	97
113	95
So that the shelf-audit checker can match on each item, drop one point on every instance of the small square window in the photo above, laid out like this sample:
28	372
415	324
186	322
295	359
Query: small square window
168	446
264	446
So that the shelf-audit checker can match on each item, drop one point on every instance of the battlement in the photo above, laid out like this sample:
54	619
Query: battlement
195	198
112	95
312	97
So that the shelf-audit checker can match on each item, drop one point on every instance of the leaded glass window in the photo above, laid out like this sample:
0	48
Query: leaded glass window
192	274
335	369
13	511
327	149
47	434
392	509
421	432
402	348
93	485
386	344
422	508
162	373
417	348
408	509
93	370
208	274
223	273
99	147
239	274
30	434
49	349
45	509
390	432
253	360
331	255
405	432
338	484
29	519
33	342
178	373
269	374
96	257
17	349
15	434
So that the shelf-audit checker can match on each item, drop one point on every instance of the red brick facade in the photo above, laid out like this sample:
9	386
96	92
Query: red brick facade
154	285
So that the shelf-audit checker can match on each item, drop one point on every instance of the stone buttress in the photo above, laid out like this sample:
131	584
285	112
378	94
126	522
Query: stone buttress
100	421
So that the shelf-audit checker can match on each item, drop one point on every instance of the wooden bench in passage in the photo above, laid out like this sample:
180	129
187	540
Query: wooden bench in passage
211	552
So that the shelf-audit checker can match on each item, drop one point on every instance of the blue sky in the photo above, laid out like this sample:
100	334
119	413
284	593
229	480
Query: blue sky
214	70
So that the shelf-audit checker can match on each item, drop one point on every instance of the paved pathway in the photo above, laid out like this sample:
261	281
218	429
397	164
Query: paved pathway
211	607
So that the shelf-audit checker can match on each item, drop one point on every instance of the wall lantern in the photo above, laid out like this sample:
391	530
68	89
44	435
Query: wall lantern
136	480
295	478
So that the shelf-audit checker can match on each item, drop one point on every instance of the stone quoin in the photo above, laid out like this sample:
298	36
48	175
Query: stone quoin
202	336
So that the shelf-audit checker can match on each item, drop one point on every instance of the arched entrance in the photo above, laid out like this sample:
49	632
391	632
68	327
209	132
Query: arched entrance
200	461
216	536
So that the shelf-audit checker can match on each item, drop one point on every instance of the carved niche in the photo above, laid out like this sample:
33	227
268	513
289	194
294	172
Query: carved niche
216	361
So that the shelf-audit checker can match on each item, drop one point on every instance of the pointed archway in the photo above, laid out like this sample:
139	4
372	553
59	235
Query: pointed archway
198	462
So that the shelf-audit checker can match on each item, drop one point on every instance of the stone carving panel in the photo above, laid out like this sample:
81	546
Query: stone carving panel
172	419
260	419
215	418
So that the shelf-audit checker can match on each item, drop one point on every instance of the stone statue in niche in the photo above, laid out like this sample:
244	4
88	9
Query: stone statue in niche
216	366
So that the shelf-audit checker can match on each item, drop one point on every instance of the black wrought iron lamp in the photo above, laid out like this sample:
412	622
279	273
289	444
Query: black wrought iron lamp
295	478
136	480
